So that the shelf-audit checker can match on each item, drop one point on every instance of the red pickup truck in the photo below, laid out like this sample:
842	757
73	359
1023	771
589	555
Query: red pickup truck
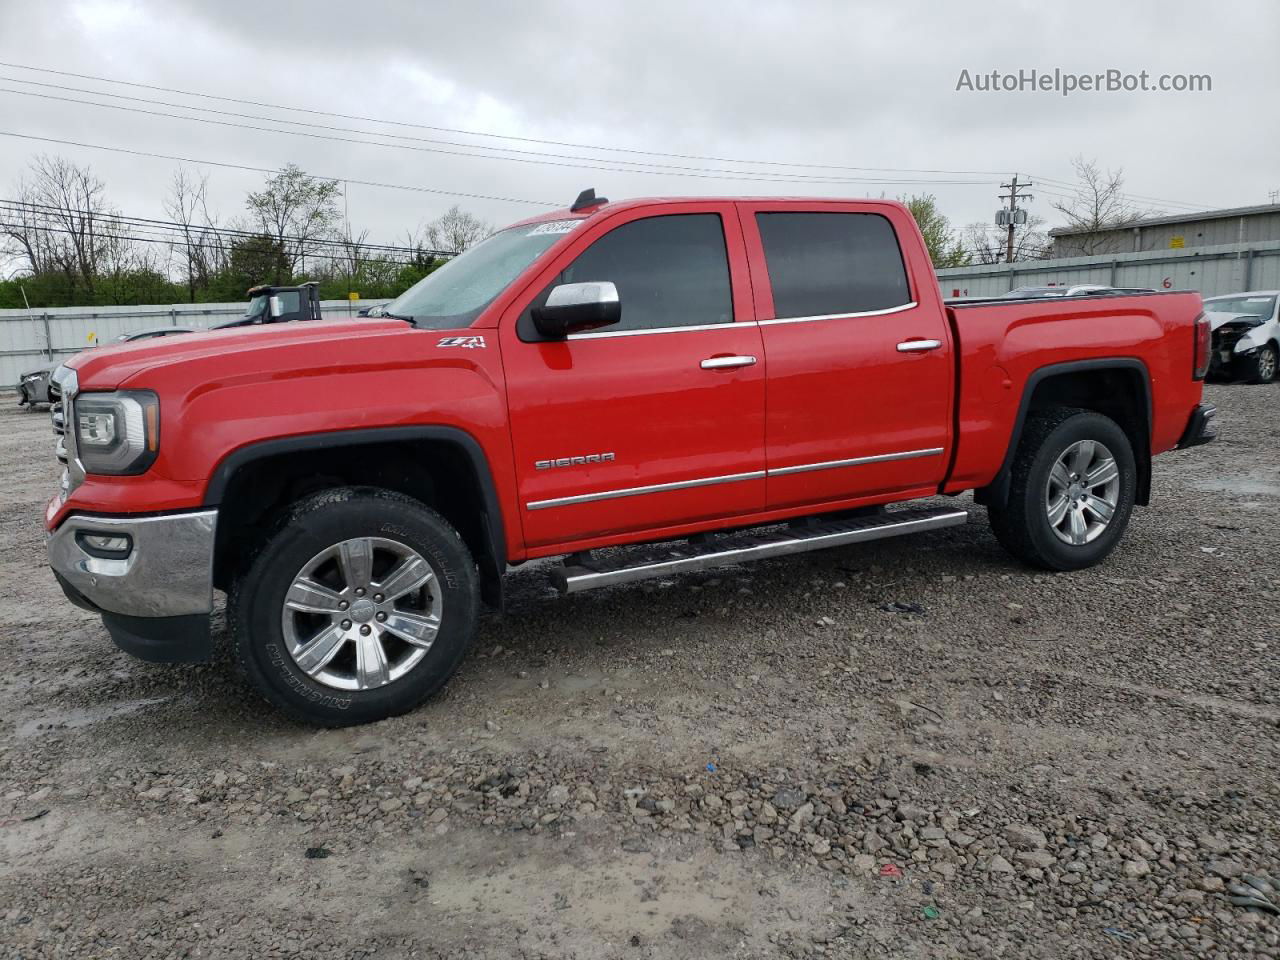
718	379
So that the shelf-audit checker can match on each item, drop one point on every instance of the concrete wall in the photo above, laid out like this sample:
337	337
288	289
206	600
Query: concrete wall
30	339
1212	270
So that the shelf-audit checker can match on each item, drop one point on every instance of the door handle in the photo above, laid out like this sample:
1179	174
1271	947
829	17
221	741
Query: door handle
727	363
911	346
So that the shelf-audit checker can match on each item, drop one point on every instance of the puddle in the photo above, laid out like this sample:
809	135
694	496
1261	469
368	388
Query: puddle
75	718
1245	486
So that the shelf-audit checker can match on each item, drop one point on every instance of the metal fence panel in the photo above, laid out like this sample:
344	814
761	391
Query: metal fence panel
1212	271
29	339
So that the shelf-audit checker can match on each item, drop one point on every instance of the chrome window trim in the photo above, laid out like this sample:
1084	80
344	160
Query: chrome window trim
729	478
841	316
854	461
607	334
637	491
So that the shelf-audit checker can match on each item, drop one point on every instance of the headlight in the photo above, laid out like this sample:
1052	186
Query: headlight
117	433
28	377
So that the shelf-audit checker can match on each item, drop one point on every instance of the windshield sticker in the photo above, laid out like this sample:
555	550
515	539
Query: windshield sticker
467	343
553	226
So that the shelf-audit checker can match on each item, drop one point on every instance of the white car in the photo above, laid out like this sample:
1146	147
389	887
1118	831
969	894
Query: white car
1246	335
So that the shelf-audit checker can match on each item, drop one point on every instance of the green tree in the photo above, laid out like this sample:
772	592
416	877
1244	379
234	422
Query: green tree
295	209
945	246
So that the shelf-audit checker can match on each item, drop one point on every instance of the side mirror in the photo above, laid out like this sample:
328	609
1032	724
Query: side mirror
572	307
275	307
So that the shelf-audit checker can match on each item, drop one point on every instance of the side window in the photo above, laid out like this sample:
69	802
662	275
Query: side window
289	302
832	263
670	271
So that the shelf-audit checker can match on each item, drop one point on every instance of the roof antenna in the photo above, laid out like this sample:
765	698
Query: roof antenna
587	198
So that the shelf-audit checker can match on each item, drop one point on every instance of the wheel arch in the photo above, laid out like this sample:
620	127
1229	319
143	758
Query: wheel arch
1076	383
442	466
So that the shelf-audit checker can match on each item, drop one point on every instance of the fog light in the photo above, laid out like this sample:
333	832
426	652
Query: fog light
110	546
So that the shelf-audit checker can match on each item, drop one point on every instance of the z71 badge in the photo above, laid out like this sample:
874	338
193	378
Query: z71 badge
468	343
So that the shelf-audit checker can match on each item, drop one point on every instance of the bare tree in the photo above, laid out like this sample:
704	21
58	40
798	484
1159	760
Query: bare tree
455	230
986	243
61	223
1097	208
201	247
295	209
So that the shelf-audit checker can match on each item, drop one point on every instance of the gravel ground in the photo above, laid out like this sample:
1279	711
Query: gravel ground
756	762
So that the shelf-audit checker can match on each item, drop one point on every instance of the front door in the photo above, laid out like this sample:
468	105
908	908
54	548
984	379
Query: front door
859	353
657	421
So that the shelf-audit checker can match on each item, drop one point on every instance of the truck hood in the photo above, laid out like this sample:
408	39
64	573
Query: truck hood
106	368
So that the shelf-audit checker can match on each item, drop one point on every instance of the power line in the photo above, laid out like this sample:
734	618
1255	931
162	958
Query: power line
713	175
241	166
477	133
15	206
635	164
134	238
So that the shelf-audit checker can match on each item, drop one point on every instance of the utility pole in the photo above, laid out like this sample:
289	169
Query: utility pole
1013	215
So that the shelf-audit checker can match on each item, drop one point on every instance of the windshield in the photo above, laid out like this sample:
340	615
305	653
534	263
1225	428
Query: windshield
452	296
1254	306
257	306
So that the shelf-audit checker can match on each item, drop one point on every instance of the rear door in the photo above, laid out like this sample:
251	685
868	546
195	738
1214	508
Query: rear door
859	352
659	420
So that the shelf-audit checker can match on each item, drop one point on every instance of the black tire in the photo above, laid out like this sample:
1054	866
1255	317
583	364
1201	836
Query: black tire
256	603
1262	367
1022	523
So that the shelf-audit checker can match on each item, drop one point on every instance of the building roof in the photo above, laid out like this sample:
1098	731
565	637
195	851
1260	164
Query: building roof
1178	218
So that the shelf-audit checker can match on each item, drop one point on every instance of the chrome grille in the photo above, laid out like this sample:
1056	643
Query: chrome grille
63	385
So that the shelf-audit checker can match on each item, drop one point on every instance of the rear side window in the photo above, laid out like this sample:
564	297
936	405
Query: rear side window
670	271
832	263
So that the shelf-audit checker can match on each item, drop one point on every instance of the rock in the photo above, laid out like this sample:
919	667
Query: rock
999	864
635	845
558	795
932	834
872	841
1041	859
821	847
788	798
1136	868
1098	841
1023	836
912	814
390	805
491	726
961	839
863	862
1212	884
1224	868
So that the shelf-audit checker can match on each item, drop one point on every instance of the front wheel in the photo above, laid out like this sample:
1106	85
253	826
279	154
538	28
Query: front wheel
1072	490
360	606
1262	366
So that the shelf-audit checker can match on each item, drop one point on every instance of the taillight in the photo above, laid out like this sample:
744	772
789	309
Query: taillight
1201	365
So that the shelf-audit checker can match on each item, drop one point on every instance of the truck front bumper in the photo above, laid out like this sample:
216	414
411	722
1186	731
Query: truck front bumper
154	590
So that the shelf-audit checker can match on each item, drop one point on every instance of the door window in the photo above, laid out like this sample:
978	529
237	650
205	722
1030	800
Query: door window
824	264
670	271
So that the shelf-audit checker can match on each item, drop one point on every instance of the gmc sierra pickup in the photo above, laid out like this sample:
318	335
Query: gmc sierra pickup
718	379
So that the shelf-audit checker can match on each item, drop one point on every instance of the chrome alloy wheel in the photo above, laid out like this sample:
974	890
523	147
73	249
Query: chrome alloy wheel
1267	364
362	613
1082	492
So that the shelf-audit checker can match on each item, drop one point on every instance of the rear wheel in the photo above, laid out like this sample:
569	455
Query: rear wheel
1262	366
359	607
1071	492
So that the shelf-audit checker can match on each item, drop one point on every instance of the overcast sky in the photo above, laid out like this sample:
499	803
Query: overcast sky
845	85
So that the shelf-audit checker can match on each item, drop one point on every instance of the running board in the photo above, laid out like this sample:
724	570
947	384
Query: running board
585	572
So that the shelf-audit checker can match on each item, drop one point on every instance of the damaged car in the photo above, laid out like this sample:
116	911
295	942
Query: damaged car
1246	335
